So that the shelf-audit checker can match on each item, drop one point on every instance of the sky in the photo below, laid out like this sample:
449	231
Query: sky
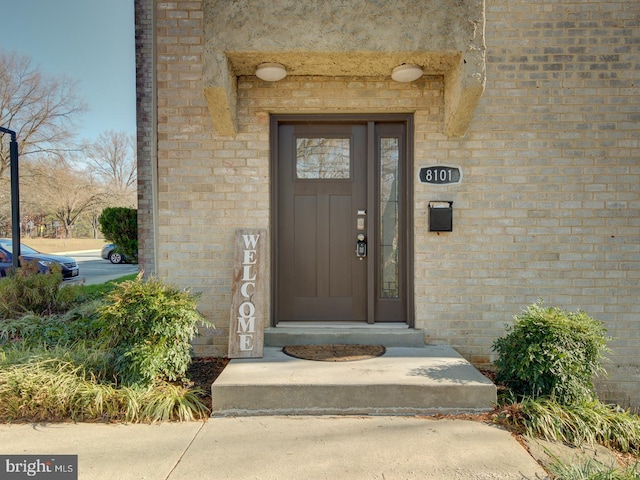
90	41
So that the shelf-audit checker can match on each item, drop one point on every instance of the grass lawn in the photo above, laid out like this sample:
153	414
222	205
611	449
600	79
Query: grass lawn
58	245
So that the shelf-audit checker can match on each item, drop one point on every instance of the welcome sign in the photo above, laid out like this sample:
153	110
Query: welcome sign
248	302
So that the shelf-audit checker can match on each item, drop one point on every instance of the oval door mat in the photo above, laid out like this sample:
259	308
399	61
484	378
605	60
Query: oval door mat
334	353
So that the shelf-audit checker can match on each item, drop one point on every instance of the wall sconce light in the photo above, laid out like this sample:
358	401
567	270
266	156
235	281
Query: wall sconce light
271	72
406	73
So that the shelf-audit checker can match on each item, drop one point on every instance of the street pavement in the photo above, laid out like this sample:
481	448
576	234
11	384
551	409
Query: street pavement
94	269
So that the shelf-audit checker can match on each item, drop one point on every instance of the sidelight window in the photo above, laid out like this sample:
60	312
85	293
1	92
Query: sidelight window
389	216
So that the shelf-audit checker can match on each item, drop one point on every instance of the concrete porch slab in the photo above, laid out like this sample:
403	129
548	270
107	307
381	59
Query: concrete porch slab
404	381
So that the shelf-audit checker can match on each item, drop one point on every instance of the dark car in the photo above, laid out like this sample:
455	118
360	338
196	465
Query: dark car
44	261
110	252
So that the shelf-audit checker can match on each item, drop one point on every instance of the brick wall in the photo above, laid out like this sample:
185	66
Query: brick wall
145	106
548	206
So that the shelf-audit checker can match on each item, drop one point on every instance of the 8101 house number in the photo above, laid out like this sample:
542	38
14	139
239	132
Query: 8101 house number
440	175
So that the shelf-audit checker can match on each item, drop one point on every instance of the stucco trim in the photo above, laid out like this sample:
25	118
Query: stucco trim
463	87
331	39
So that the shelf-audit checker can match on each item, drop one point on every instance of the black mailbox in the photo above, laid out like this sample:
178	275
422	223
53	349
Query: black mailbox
441	216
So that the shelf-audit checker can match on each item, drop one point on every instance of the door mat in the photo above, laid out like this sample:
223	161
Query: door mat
334	353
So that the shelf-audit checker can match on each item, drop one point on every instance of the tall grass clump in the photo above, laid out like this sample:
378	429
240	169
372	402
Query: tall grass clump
591	469
26	291
54	389
587	422
81	323
150	326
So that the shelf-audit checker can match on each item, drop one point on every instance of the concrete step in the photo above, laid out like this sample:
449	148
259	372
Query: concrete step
404	381
389	336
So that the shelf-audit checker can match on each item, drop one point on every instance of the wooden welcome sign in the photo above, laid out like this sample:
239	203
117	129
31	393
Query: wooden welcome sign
248	302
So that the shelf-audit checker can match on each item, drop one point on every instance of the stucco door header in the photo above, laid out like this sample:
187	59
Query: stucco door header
345	38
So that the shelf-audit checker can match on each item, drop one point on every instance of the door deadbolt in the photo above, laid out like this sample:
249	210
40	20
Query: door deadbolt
361	246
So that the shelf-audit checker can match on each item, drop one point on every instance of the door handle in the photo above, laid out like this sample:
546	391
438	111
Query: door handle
361	246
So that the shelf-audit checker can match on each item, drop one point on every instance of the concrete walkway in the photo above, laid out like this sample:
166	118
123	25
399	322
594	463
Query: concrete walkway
287	448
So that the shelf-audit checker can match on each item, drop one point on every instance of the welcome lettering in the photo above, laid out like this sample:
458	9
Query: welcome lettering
243	336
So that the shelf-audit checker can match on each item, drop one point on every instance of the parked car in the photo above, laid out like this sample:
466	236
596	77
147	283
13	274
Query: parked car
110	252
44	261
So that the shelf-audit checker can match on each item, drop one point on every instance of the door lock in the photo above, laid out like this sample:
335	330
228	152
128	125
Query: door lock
361	246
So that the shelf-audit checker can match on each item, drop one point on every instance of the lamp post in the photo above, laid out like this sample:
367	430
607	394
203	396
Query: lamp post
15	197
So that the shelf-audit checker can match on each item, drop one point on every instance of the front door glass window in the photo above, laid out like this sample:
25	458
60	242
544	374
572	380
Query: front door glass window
323	158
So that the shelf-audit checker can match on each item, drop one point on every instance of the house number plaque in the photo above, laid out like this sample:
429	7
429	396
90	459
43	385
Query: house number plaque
440	175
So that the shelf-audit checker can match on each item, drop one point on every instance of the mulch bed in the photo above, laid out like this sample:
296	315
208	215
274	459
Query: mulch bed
202	372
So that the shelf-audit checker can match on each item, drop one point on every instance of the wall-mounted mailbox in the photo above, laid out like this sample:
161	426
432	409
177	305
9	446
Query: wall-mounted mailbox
441	216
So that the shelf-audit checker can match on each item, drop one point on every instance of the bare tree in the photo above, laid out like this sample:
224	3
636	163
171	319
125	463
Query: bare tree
54	186
40	109
112	159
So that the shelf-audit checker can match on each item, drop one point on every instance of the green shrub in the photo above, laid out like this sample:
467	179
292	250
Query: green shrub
150	327
119	225
27	291
550	352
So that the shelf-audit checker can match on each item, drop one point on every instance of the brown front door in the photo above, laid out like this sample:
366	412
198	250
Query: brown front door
334	183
